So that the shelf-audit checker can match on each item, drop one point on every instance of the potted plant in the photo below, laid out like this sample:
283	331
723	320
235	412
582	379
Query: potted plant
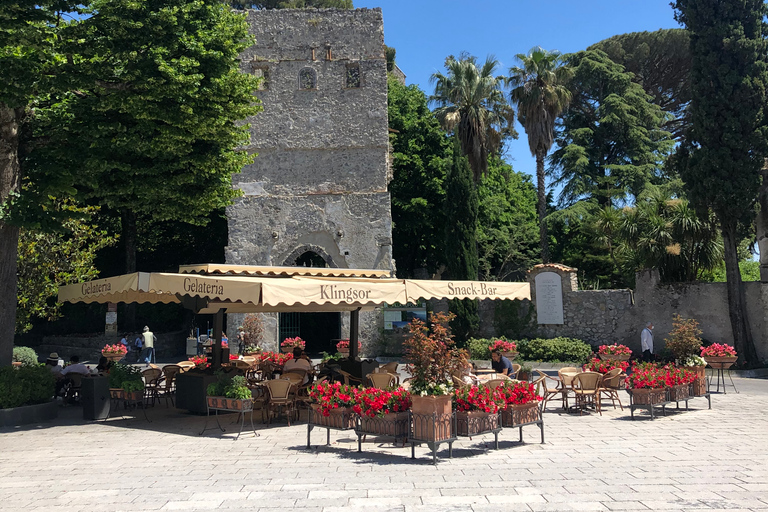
696	365
114	352
519	402
201	361
647	384
332	404
125	382
684	342
343	347
507	348
604	366
251	334
476	410
678	382
719	354
230	393
615	352
288	344
524	373
433	358
383	412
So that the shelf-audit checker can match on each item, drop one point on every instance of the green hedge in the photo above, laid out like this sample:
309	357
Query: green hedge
25	355
552	350
27	385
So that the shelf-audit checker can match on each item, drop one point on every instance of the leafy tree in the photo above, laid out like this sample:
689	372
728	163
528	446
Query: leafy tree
461	210
507	231
727	143
31	62
540	93
469	100
661	63
48	260
611	143
157	129
420	158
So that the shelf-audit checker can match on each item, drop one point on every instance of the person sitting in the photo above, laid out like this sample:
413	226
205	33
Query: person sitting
467	377
75	366
501	364
298	362
52	363
104	366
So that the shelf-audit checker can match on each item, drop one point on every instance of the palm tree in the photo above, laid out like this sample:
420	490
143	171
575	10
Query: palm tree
470	100
540	93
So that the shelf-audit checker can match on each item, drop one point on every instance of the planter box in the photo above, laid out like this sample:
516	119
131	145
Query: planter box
113	357
230	404
648	396
432	417
516	415
133	396
699	386
720	363
472	423
342	418
678	393
27	414
393	424
191	391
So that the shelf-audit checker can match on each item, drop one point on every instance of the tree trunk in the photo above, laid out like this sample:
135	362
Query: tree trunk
542	206
128	233
737	302
10	180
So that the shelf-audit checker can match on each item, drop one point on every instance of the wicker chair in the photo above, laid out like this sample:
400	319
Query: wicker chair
515	370
494	383
152	378
185	366
381	380
587	390
390	367
548	393
167	389
567	377
611	385
349	379
281	398
458	382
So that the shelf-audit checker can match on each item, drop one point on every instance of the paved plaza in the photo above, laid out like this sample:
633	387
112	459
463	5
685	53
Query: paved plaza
695	460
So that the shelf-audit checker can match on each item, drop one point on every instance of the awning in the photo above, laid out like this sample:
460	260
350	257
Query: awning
416	289
254	270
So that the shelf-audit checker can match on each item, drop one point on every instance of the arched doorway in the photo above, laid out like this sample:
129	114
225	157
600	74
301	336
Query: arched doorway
317	329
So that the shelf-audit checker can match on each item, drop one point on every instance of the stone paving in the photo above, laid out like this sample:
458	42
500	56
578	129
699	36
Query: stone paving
695	460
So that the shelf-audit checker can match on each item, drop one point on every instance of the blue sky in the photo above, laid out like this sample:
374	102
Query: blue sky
425	32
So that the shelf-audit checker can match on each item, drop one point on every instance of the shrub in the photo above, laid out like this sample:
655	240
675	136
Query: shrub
25	355
253	330
478	347
432	355
554	350
685	337
27	385
121	375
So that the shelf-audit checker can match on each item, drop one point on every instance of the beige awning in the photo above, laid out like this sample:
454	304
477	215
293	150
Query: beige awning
126	288
349	293
425	289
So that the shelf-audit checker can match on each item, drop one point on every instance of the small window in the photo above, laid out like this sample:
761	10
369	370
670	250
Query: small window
307	79
353	76
263	73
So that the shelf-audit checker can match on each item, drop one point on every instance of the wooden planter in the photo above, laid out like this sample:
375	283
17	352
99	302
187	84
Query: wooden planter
648	396
392	424
515	415
678	393
720	363
230	404
472	423
341	418
432	417
699	386
615	357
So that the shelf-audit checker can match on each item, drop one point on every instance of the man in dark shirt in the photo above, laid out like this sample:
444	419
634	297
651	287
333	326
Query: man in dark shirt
501	364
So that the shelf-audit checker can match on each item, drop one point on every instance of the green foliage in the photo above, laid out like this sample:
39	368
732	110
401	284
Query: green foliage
660	62
749	270
122	375
512	317
554	350
27	385
611	143
461	210
470	103
25	355
331	358
507	231
238	388
478	347
47	260
684	340
420	159
726	149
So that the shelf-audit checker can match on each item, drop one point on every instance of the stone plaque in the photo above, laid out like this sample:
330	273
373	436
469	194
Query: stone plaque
549	298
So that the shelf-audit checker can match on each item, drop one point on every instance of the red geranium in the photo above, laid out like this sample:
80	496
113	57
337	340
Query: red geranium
646	375
503	346
276	358
117	348
374	402
516	393
344	345
615	350
200	361
333	395
475	398
598	365
718	350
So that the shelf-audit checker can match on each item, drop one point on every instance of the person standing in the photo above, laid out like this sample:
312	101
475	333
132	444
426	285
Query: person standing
148	339
646	342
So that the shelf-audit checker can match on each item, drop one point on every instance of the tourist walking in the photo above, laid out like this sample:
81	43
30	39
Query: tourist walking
646	342
149	339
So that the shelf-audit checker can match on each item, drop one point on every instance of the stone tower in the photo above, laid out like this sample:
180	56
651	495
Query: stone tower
317	190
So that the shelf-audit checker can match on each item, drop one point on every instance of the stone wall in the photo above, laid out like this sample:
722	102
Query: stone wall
319	182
